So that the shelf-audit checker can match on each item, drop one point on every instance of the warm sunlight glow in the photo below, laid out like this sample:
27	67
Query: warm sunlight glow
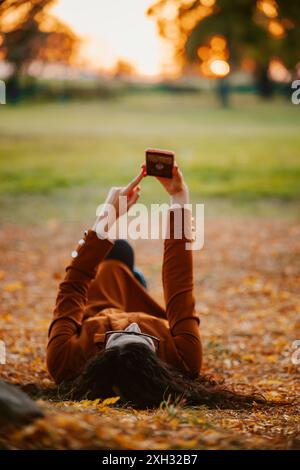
204	53
278	71
268	7
115	30
13	15
192	17
169	11
218	43
208	3
213	57
220	68
276	29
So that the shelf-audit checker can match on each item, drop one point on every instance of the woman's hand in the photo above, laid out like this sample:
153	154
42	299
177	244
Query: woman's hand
131	192
120	199
175	186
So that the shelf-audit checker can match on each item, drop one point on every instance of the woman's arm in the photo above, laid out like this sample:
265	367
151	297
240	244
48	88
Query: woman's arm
64	353
178	275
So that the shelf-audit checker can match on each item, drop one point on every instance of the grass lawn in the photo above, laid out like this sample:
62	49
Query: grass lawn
58	160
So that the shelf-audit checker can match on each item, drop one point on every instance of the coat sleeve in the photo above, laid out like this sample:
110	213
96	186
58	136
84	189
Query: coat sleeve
178	289
64	354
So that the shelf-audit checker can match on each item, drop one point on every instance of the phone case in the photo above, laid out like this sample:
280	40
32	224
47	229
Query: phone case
159	162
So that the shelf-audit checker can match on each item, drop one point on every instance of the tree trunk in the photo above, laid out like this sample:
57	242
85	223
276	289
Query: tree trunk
223	91
264	84
13	89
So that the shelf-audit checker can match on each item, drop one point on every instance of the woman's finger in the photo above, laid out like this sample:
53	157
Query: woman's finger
177	173
133	183
175	169
133	198
131	192
144	169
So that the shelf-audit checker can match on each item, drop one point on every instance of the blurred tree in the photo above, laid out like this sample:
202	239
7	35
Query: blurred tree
222	35
28	33
124	68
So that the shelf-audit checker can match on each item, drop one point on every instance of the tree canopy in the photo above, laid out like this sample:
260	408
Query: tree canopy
257	31
28	32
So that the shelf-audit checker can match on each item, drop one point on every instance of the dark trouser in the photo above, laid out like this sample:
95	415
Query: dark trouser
123	251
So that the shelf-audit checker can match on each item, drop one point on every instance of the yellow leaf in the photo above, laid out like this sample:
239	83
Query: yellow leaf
7	317
248	358
274	396
109	401
174	423
272	358
201	421
284	295
250	281
96	402
273	382
85	403
13	286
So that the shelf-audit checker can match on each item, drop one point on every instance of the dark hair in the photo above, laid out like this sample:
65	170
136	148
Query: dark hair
142	380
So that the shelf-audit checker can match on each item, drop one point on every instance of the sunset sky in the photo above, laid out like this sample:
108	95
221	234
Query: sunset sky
115	29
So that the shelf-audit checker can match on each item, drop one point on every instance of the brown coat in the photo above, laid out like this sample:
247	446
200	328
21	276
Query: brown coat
100	294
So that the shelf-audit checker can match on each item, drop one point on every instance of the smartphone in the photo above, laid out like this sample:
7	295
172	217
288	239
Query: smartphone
159	162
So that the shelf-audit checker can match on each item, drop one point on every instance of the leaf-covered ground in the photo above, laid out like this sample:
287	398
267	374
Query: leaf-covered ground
248	295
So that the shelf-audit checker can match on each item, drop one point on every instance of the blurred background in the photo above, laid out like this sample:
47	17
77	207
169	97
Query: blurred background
90	84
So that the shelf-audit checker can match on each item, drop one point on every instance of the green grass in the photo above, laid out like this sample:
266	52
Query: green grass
63	157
